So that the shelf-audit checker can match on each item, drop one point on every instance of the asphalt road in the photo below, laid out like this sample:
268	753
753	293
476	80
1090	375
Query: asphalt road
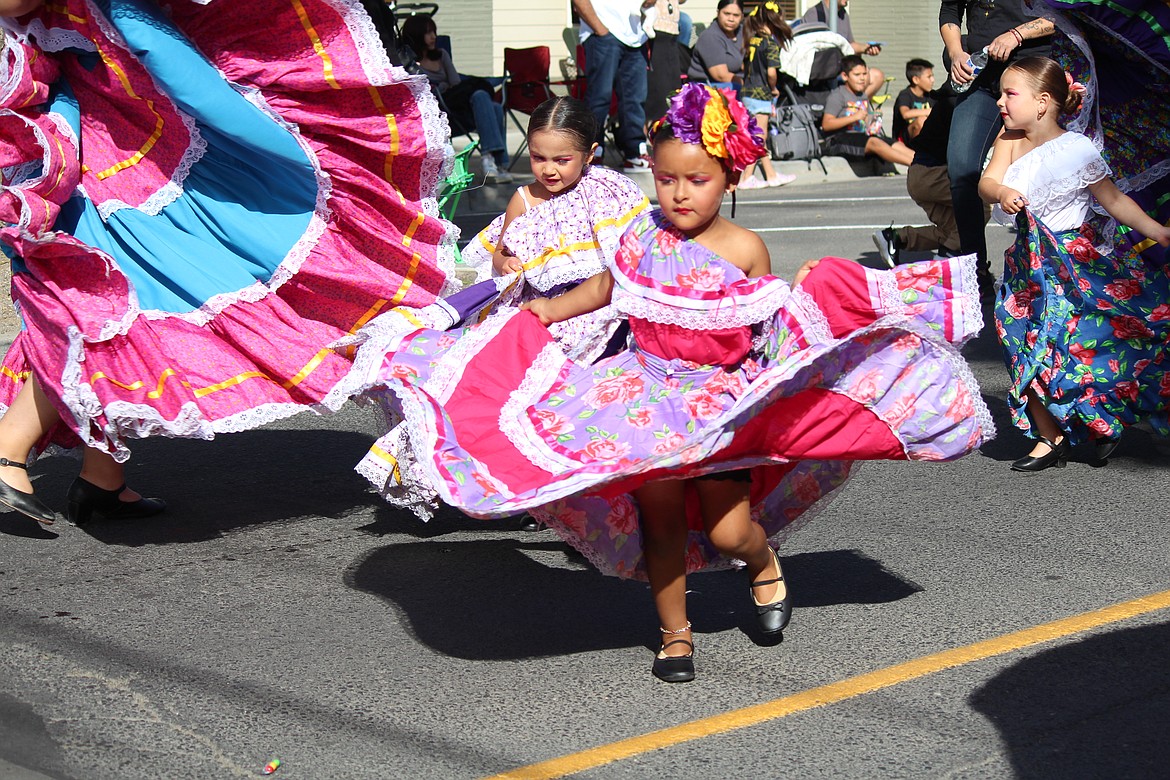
279	610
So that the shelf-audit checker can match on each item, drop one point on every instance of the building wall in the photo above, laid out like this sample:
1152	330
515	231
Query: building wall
909	28
480	29
470	25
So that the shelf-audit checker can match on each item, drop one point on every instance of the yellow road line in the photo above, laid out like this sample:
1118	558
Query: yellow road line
838	691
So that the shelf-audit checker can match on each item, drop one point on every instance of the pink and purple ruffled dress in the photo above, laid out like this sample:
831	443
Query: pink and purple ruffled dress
722	372
198	199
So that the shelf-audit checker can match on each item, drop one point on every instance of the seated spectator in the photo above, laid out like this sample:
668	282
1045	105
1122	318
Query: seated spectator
717	57
852	128
820	13
467	99
914	103
929	185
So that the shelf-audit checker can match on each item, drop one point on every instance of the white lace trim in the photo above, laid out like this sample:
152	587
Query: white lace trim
812	318
48	40
13	63
448	371
585	337
549	275
514	422
737	311
15	175
412	492
382	337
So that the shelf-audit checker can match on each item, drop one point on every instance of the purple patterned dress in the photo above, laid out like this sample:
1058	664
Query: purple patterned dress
723	372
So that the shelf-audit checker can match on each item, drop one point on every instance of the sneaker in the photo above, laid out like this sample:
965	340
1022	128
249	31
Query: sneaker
781	179
492	173
752	183
886	241
641	162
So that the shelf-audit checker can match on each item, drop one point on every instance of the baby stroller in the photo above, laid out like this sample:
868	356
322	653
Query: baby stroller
810	65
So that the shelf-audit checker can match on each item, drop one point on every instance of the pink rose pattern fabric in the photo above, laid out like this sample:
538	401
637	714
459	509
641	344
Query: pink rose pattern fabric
1088	332
597	430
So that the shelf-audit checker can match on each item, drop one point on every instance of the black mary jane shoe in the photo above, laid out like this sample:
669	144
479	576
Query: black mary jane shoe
1057	455
531	524
85	498
1103	448
675	668
772	618
25	503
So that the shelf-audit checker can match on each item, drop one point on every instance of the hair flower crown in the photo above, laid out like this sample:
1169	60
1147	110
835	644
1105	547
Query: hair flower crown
716	120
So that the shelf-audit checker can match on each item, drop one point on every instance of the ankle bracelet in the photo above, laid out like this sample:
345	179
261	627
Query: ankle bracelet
677	631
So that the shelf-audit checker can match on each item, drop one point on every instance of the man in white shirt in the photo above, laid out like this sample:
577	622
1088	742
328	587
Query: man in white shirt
612	35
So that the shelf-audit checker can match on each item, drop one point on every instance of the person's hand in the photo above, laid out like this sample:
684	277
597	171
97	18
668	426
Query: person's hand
1162	236
872	50
1002	47
804	271
541	308
775	92
507	264
960	73
1011	201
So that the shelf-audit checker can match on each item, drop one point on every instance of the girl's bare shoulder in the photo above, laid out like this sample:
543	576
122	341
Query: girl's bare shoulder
739	246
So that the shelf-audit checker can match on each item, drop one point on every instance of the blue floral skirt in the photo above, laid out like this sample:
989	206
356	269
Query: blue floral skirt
1087	332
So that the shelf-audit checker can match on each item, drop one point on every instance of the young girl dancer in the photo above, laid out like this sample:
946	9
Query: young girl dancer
557	231
767	34
1083	322
739	404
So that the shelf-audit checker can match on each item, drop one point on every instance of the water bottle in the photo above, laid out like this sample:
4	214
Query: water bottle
977	62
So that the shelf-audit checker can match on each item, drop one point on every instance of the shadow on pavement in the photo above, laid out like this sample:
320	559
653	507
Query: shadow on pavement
212	487
1096	708
508	605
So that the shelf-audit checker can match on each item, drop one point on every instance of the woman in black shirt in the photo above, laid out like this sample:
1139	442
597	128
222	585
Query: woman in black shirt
1008	32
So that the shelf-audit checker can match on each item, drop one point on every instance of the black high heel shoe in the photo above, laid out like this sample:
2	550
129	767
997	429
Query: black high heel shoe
1103	448
25	503
1056	456
773	617
85	498
675	668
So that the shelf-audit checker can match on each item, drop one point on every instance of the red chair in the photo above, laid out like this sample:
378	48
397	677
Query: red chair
526	86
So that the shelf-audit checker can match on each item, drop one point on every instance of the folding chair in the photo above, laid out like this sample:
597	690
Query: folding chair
454	186
526	86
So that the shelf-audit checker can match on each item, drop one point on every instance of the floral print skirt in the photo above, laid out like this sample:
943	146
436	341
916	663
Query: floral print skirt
1087	332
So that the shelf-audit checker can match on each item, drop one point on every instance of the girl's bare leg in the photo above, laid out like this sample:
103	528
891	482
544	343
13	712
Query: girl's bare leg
1043	423
727	516
662	507
100	469
24	424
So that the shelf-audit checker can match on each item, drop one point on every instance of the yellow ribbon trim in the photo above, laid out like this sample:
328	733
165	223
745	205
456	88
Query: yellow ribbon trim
378	452
309	368
1149	242
392	127
318	47
205	391
158	124
15	376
